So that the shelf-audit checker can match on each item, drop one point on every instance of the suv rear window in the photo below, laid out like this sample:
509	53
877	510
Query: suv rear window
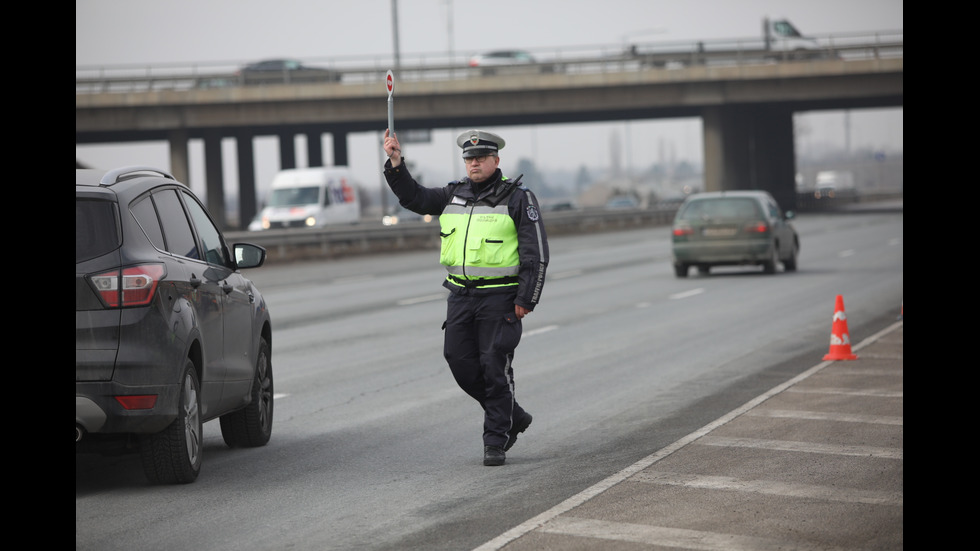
96	228
176	227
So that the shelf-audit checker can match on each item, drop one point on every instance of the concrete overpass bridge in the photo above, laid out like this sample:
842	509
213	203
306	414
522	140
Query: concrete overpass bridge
746	106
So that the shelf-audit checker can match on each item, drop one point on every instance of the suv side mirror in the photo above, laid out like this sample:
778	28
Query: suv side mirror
248	255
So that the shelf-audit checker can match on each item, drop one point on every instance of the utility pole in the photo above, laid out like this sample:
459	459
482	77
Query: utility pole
394	30
449	33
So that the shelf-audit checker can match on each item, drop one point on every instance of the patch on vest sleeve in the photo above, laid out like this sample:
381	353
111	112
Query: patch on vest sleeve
532	213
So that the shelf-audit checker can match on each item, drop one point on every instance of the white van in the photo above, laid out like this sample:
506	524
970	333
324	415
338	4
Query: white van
310	198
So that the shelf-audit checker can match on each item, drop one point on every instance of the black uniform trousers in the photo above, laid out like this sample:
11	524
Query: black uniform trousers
482	332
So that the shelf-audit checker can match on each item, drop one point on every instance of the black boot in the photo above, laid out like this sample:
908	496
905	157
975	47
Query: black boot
520	426
493	456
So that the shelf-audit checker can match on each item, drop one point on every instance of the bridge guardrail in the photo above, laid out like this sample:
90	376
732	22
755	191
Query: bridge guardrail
440	66
367	238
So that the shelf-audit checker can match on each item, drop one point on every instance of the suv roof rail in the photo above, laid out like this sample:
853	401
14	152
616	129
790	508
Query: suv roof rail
114	175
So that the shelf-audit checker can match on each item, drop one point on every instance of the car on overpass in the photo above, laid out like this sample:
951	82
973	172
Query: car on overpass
284	71
508	61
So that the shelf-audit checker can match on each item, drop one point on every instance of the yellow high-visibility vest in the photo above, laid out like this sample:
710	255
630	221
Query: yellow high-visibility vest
479	245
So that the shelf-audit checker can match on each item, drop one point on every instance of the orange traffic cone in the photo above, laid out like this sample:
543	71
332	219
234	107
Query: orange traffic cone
840	340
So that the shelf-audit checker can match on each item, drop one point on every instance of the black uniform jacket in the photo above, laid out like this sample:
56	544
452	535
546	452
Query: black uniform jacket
521	204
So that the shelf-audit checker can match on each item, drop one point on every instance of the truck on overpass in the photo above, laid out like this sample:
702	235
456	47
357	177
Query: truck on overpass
780	39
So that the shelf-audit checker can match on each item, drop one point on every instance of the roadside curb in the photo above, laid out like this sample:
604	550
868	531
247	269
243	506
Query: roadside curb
826	441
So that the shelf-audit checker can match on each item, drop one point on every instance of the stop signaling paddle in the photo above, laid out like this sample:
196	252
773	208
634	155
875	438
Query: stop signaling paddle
390	84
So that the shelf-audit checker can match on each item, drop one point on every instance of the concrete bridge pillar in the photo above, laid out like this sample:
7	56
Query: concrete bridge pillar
179	158
314	149
246	180
215	178
340	148
287	150
750	147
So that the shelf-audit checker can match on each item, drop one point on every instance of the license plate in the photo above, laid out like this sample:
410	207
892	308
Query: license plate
718	232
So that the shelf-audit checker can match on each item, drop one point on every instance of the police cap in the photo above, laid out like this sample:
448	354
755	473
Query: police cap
477	143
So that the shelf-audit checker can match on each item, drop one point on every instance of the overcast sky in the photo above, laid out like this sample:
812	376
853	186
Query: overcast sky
144	32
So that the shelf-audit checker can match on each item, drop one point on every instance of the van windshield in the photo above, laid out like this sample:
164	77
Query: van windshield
295	196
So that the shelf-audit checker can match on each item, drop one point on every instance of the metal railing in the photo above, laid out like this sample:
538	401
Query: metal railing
373	238
443	66
369	238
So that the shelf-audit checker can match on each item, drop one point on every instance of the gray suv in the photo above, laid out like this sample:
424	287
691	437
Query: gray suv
169	333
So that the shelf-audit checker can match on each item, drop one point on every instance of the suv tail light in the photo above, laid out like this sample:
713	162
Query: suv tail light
131	286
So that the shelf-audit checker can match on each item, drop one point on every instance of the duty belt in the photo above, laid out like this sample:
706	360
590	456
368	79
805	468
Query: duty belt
474	283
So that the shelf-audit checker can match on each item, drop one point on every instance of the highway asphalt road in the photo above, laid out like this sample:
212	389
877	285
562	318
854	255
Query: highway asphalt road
374	447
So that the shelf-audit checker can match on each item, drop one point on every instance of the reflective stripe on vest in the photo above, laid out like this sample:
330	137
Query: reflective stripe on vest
479	242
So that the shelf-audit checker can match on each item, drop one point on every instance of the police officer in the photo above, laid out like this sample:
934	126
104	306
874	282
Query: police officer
495	249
